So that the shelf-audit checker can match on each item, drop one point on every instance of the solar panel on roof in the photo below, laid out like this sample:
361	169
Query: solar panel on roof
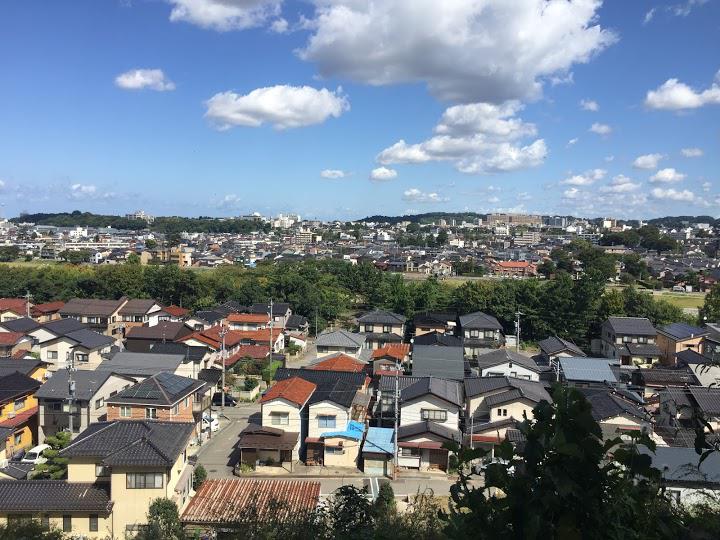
587	369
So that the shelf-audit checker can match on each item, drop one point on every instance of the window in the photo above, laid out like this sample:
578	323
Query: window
433	415
125	411
387	329
673	495
56	406
176	408
409	452
19	404
45	521
642	339
368	328
52	355
101	471
144	480
17	439
326	421
82	357
113	393
185	401
151	412
67	523
502	412
474	333
279	418
99	403
334	450
93	522
627	339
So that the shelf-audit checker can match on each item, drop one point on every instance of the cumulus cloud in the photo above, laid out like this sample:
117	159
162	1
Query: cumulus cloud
282	106
601	129
137	79
415	195
523	196
333	174
674	95
383	174
666	176
706	186
225	15
620	184
573	141
673	195
589	105
88	191
489	51
231	201
647	161
477	138
571	193
692	152
2	184
493	199
649	15
279	26
585	179
609	159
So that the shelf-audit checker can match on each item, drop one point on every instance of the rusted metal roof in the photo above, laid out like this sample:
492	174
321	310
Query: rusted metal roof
224	501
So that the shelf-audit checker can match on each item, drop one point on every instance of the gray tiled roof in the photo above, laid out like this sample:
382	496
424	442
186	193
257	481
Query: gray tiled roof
497	357
427	426
438	339
554	345
681	465
168	330
607	404
480	321
640	349
588	369
137	306
450	391
16	384
681	331
337	386
161	389
23	325
10	365
531	390
88	339
387	382
86	384
381	317
38	496
442	362
60	327
145	364
340	338
631	326
132	442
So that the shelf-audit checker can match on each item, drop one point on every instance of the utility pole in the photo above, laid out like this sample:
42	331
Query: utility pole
28	297
397	417
223	331
517	330
71	389
271	330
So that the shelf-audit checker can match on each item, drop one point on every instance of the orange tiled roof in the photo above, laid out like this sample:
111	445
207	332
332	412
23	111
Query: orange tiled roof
294	390
10	338
513	264
248	318
49	307
341	362
395	350
16	305
176	311
256	352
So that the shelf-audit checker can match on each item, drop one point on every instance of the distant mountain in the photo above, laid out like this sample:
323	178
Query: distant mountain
428	217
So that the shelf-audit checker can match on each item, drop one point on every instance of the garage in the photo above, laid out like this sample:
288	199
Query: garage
377	451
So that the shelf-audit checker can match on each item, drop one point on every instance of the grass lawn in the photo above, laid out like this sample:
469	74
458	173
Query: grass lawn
683	300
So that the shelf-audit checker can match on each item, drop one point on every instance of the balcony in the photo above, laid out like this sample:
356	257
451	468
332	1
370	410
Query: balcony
201	404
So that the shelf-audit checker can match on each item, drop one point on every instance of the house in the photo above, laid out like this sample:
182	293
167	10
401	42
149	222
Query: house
248	321
280	437
298	324
704	370
655	379
437	339
711	343
680	406
339	398
339	362
139	461
584	371
139	312
442	362
334	341
12	343
342	447
18	414
429	414
480	331
377	451
139	366
173	313
386	360
21	324
512	268
259	355
677	337
618	332
381	328
100	315
81	509
553	347
493	406
219	503
14	308
142	338
506	363
194	358
619	413
32	367
204	320
48	331
92	390
281	312
163	396
82	348
686	478
442	323
46	312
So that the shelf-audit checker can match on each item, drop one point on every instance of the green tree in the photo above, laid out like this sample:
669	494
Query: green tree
385	507
350	513
55	467
28	530
78	256
199	476
9	253
133	259
547	268
442	238
163	522
710	311
150	243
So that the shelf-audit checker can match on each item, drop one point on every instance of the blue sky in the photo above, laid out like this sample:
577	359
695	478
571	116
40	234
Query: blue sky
224	107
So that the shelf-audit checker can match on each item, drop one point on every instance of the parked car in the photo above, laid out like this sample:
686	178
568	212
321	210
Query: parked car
35	455
210	423
229	400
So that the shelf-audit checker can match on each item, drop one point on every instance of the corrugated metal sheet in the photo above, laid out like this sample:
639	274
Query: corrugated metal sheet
225	500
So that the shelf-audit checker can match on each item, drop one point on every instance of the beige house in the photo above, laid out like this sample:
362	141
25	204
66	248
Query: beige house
84	348
381	328
100	315
677	337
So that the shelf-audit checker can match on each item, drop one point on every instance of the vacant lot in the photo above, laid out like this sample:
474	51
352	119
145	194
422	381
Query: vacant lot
682	300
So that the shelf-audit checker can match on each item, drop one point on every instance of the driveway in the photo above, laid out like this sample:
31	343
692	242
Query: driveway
218	454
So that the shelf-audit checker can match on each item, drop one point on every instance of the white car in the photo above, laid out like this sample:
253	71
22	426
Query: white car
211	423
35	455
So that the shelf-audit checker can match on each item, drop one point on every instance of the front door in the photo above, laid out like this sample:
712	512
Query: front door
438	459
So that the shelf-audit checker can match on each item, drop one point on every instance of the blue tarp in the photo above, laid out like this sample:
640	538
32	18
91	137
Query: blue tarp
354	430
379	441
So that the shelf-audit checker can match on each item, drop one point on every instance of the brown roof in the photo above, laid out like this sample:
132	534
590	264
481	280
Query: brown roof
340	362
137	306
295	390
49	307
267	438
394	350
10	338
16	305
89	306
163	330
256	352
225	500
176	311
248	318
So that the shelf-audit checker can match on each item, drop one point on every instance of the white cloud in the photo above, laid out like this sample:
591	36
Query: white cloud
231	201
333	174
225	15
649	15
706	186
137	79
572	193
523	196
667	176
601	129
382	174
620	184
673	195
609	159
589	105
585	179
692	152
493	199
415	195
573	141
279	26
88	191
684	9
489	51
675	95
477	138
647	161
2	184
282	106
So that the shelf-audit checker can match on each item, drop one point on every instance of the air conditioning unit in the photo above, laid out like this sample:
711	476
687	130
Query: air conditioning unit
11	414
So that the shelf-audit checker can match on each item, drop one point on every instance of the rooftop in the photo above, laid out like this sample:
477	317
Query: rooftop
295	390
38	496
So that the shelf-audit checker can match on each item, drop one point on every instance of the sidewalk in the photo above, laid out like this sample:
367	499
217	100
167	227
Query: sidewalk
299	470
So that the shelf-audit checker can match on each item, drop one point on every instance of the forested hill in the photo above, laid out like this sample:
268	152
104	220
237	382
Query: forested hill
428	217
165	225
675	222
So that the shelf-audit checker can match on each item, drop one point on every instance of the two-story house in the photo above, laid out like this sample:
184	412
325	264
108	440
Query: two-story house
248	321
381	328
142	338
554	347
619	414
13	308
506	363
49	311
388	359
84	348
632	340
139	461
139	312
442	323
12	343
100	315
480	331
430	411
32	367
281	312
18	414
677	337
340	341
92	389
441	362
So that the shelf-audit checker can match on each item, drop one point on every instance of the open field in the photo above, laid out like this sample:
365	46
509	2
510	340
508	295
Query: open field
682	300
35	263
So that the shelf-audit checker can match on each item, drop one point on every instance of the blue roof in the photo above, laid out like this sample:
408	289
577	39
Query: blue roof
354	430
588	369
379	440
